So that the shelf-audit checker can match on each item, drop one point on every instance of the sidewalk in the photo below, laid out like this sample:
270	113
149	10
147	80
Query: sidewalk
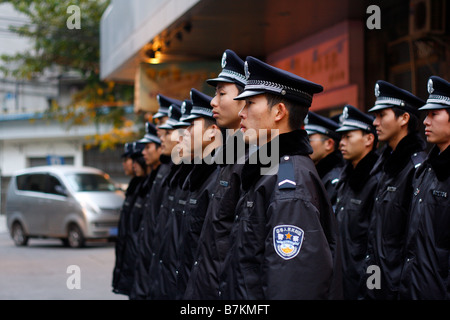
3	228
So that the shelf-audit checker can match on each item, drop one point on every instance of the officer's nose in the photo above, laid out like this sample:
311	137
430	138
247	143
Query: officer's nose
243	112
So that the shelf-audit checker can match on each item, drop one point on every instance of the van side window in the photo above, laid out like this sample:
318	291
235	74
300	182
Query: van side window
31	182
54	186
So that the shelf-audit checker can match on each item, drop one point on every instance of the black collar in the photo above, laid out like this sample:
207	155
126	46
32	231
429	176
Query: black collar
357	177
440	162
395	161
328	163
291	143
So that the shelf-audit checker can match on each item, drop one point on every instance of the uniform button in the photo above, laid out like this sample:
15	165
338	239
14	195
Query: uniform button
220	293
195	263
286	158
160	261
420	200
342	208
376	199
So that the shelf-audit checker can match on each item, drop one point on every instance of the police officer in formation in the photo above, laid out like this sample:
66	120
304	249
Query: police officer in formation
324	140
355	191
238	209
214	241
396	121
425	272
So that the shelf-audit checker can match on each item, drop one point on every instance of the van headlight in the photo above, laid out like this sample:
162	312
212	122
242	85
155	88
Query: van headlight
91	207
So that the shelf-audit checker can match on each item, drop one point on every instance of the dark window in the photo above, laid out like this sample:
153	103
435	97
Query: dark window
31	182
54	186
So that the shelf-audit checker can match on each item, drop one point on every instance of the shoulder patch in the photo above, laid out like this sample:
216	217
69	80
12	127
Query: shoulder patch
286	174
287	240
417	159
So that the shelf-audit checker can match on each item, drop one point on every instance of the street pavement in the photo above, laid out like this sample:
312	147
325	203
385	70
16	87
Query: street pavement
44	270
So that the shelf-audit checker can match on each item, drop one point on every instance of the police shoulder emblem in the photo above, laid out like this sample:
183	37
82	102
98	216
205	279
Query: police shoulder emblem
287	240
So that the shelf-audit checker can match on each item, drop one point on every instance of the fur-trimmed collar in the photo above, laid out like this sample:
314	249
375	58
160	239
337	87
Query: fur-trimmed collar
199	173
330	162
395	161
440	162
358	176
291	143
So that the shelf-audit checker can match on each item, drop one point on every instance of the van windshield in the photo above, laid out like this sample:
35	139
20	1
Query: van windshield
82	182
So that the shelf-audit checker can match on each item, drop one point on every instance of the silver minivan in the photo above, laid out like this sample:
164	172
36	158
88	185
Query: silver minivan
74	204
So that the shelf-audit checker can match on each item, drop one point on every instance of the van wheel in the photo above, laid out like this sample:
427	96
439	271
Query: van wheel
75	237
18	234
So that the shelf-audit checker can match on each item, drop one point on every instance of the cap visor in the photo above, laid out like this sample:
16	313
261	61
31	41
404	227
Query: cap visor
249	93
165	126
347	128
213	82
182	124
381	107
192	117
149	140
311	131
159	115
434	106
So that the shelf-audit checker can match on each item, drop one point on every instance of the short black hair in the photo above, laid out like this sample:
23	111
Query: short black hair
413	123
297	112
209	121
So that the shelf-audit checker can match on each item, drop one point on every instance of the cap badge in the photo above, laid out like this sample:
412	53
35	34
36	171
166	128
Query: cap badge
430	86
247	73
377	90
224	60
170	112
345	113
183	108
306	121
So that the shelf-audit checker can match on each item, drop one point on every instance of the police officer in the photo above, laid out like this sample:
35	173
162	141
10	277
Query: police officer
355	191
284	239
130	195
151	155
214	239
396	122
200	141
162	115
326	156
152	205
426	269
165	236
124	268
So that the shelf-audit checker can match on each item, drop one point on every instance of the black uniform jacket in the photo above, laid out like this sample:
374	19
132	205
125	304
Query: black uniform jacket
426	273
355	191
214	241
130	196
191	211
129	247
329	170
284	242
387	230
147	230
166	236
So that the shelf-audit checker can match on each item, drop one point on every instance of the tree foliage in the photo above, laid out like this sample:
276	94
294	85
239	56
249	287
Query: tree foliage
57	47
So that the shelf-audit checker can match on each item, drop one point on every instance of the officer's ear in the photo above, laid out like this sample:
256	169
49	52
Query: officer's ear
369	139
280	111
212	132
